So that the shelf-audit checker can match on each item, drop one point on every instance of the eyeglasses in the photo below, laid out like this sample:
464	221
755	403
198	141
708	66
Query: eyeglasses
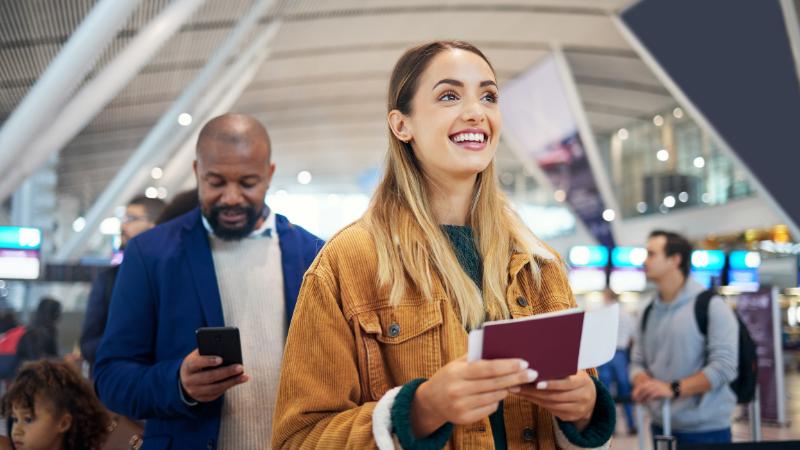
128	218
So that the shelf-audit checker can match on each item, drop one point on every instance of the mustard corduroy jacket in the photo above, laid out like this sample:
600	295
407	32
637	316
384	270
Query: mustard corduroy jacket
347	347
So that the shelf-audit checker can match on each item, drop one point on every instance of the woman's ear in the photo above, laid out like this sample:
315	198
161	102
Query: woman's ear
65	423
400	126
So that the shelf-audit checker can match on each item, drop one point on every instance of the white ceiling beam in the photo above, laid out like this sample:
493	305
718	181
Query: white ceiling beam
98	92
67	70
166	134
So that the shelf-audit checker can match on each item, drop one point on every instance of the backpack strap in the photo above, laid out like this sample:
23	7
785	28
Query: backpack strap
701	306
645	315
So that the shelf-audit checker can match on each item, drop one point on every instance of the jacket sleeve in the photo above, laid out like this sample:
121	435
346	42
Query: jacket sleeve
95	322
723	344
127	378
319	394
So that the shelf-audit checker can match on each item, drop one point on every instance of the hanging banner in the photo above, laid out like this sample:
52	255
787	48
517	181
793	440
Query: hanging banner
538	120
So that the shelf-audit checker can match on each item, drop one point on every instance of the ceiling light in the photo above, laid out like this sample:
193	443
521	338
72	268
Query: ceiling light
623	134
641	207
156	173
185	119
699	162
79	224
304	177
151	192
609	215
669	201
560	195
662	155
677	113
162	192
683	197
658	120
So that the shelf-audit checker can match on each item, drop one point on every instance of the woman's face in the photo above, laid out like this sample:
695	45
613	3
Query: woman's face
455	121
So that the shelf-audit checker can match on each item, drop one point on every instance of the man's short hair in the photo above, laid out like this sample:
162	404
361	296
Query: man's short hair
152	206
676	245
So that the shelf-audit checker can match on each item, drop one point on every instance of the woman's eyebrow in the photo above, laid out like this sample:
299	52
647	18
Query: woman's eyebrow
449	81
461	84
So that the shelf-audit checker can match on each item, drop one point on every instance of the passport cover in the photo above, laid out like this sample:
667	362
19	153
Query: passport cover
550	343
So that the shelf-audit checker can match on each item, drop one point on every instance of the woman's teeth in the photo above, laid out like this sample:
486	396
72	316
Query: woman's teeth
472	137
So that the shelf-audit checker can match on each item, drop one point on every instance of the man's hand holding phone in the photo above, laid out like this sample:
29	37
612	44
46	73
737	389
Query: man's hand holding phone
204	381
215	366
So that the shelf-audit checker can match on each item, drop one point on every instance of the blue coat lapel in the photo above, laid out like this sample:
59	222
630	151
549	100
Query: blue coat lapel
292	260
198	255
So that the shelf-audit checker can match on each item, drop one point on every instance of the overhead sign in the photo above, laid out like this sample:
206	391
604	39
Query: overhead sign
707	266
627	273
743	270
20	253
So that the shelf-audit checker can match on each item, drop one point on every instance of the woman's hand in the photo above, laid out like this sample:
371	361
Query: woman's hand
464	392
570	399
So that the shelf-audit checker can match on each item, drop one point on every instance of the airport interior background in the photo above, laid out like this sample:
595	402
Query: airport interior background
620	117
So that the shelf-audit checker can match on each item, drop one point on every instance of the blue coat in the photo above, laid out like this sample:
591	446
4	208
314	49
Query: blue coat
165	290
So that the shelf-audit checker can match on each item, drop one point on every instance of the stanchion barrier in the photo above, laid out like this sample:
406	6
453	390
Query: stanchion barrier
754	416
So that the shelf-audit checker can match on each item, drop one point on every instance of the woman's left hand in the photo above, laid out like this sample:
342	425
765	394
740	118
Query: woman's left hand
570	399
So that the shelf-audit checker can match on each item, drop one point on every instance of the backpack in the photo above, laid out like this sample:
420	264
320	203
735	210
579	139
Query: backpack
744	386
9	341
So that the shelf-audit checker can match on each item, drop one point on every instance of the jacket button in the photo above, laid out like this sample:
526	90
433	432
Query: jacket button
528	434
521	301
210	444
394	330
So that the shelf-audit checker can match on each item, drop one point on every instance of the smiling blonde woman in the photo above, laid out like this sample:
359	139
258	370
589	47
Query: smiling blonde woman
376	350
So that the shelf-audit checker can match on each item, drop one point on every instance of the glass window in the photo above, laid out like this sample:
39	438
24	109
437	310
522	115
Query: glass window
674	165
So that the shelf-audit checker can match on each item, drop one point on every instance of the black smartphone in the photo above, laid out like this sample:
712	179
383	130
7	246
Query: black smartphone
220	341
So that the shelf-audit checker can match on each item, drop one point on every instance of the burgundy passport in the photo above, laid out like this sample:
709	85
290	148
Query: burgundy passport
550	343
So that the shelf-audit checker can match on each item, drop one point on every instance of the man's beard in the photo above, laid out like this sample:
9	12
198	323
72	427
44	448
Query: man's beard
233	234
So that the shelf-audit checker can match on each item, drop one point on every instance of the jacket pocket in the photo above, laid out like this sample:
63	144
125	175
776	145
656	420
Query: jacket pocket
400	343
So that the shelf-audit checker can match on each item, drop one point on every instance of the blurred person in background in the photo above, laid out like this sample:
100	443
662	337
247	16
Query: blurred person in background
615	372
672	359
140	215
182	203
376	353
230	262
41	336
8	320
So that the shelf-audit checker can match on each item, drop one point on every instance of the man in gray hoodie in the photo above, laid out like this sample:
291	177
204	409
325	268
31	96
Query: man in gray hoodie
673	360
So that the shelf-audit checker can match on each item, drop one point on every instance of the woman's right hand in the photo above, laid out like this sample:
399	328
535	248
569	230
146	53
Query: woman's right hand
464	392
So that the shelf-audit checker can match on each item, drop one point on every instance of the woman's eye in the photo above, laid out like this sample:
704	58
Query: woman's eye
490	97
448	96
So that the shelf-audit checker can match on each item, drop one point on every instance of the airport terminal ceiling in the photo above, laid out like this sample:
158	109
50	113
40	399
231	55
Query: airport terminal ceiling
321	89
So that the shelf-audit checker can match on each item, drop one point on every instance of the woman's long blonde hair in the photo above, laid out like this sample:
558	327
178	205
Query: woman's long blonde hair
410	244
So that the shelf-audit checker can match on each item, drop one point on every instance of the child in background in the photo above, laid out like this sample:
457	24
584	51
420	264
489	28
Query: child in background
53	408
